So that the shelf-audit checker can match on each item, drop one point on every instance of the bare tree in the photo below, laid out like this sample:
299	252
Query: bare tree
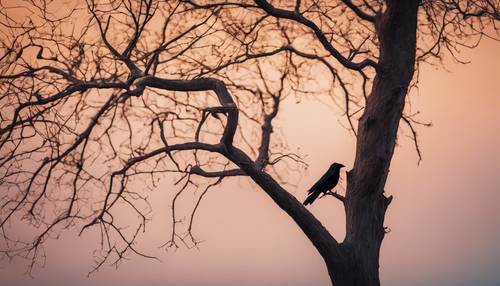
97	96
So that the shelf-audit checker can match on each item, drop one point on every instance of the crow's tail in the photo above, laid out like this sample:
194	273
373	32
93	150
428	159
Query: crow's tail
311	198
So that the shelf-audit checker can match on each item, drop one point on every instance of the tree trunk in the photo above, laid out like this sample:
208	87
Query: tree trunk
365	202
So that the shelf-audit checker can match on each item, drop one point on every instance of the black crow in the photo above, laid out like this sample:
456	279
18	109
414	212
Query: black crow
327	182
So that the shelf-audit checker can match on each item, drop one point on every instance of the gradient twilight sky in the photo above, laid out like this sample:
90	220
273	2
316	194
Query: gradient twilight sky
444	220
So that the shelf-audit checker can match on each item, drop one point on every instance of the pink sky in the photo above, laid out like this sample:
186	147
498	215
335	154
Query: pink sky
444	219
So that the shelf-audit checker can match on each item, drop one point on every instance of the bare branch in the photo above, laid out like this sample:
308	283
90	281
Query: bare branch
285	14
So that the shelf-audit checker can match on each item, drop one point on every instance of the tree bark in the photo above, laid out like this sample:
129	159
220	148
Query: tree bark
365	202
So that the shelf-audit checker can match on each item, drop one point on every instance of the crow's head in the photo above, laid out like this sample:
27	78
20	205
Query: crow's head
336	166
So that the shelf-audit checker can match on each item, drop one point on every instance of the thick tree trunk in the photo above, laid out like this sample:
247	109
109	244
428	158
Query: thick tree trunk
365	202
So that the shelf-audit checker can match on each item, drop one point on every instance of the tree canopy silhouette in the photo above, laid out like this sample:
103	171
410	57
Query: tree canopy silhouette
97	95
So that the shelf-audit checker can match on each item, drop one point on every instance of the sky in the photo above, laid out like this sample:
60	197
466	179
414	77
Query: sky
444	220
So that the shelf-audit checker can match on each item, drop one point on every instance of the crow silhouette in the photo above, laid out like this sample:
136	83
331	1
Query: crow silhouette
327	182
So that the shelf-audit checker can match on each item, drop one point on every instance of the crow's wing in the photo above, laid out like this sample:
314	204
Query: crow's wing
322	183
